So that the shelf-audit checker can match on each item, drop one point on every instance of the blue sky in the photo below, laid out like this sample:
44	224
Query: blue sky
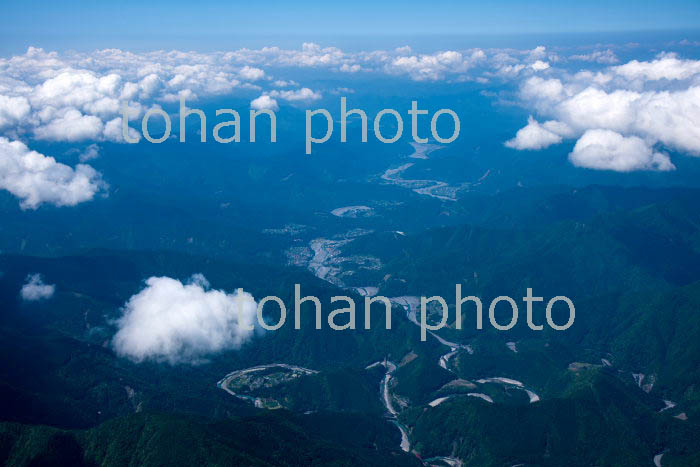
74	24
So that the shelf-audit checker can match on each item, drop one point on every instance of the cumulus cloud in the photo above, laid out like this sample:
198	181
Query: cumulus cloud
542	90
608	150
606	57
433	67
510	64
538	53
303	94
77	97
264	102
91	152
74	96
77	88
642	105
35	289
70	125
280	83
13	110
346	68
538	136
169	321
539	65
250	73
668	66
36	179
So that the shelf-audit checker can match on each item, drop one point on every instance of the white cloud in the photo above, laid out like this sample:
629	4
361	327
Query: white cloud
539	89
608	150
510	63
13	110
666	67
536	136
75	89
428	67
280	83
169	321
538	53
510	70
303	94
75	96
264	102
346	68
645	104
605	57
35	289
36	179
669	117
250	73
70	126
90	152
539	65
113	131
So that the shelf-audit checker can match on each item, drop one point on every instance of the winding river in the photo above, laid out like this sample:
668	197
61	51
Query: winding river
385	391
